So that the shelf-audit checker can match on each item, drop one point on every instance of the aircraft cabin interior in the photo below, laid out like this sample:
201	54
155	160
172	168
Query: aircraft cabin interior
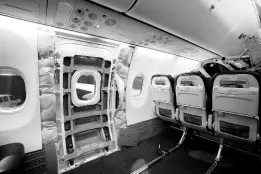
130	86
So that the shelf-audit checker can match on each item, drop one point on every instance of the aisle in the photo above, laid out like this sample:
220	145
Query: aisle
127	160
239	163
195	157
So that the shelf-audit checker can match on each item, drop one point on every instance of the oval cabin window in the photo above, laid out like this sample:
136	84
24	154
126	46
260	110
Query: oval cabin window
86	87
137	85
12	89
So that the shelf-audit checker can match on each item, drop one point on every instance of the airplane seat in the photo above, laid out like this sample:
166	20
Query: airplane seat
236	102
163	95
193	93
11	156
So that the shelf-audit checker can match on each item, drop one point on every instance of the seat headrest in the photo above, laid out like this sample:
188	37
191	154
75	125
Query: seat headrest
172	83
254	74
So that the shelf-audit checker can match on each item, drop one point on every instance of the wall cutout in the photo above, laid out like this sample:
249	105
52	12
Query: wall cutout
137	85
85	87
12	89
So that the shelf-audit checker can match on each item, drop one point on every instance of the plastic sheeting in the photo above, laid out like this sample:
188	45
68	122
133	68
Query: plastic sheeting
49	132
46	63
123	63
46	81
48	107
47	43
121	77
120	119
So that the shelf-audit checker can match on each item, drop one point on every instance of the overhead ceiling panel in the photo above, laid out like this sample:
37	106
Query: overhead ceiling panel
89	18
33	10
212	24
128	30
119	5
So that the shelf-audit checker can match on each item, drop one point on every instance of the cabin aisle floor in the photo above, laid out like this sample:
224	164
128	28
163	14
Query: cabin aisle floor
194	157
239	163
129	159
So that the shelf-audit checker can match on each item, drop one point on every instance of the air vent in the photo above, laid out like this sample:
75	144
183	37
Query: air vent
193	119
235	129
93	16
76	20
88	23
110	22
165	112
79	12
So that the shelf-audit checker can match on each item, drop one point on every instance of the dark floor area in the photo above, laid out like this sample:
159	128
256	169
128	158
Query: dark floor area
237	162
194	157
129	159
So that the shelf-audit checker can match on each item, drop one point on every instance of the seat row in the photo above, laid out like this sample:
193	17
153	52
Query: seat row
226	104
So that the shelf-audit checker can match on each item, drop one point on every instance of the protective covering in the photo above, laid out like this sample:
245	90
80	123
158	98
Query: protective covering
163	95
192	98
49	132
46	64
121	78
48	107
236	105
47	43
123	63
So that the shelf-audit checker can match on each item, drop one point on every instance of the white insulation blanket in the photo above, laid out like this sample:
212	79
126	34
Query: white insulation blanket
46	64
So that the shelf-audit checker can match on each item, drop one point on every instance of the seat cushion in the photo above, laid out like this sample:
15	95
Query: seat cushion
11	156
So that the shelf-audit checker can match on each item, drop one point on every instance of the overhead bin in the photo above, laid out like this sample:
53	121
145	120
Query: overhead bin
34	10
193	95
118	5
210	24
163	95
236	100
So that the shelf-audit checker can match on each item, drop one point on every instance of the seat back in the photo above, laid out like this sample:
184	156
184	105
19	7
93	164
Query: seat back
236	103
163	96
192	93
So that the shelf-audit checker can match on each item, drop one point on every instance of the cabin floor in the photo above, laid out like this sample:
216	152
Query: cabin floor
193	157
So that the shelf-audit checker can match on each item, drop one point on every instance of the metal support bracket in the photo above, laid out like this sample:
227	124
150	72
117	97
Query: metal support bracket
163	155
217	159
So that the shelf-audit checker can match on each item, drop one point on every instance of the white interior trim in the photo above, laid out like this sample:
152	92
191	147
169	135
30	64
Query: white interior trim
76	101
